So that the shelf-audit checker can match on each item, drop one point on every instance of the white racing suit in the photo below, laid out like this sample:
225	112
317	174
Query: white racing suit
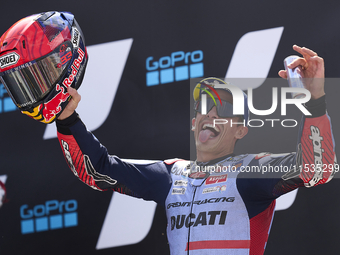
224	206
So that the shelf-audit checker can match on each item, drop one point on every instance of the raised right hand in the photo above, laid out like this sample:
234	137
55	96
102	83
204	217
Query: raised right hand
72	105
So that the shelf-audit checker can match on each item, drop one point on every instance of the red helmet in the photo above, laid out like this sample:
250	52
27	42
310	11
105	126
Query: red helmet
40	57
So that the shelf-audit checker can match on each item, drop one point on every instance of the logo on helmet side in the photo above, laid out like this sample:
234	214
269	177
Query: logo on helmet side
9	59
75	37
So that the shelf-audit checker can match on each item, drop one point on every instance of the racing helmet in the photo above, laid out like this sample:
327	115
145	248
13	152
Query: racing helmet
40	57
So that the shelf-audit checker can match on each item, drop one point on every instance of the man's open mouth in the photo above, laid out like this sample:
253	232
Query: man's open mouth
208	131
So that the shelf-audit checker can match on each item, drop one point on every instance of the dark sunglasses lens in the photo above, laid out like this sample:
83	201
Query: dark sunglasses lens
224	111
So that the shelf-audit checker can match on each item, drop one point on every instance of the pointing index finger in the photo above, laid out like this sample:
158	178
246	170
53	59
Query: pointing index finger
305	51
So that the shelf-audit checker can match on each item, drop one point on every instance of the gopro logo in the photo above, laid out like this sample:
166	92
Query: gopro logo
6	103
39	219
169	71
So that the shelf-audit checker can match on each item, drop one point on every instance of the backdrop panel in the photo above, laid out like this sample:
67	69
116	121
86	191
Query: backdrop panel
140	110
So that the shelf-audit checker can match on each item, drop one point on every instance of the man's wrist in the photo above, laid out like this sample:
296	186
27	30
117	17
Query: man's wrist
64	124
317	107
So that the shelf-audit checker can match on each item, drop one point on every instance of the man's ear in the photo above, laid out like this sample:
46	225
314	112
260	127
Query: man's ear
193	124
241	132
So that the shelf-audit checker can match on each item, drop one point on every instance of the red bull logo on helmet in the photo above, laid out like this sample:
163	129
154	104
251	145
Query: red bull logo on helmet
75	67
47	112
52	107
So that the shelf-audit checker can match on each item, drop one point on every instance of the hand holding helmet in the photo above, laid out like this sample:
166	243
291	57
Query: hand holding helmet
41	56
72	105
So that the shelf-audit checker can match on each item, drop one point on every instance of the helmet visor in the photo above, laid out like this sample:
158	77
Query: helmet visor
30	83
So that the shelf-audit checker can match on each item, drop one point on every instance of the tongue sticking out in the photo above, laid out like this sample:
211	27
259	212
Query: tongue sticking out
204	135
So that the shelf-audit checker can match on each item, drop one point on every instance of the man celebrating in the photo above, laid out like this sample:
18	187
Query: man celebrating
211	204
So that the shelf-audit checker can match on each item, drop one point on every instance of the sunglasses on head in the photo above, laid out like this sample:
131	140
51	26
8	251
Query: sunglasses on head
224	110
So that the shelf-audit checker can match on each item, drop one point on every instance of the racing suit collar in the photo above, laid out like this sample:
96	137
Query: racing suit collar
214	161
